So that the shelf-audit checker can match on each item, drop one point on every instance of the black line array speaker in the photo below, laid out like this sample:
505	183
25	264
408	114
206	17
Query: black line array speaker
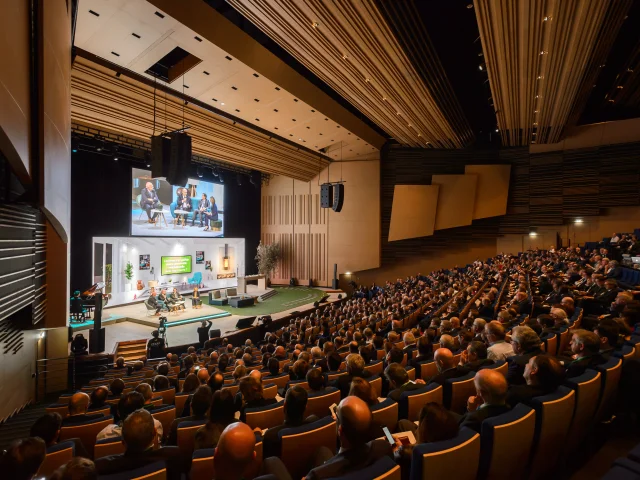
215	333
180	159
334	283
338	197
326	195
160	155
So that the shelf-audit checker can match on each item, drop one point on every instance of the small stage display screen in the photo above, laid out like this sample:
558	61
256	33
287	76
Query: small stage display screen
175	265
159	209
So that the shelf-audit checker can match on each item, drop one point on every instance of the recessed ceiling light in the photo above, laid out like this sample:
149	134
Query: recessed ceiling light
256	75
159	14
228	58
136	35
205	72
315	24
198	38
116	54
299	139
275	110
221	103
234	87
214	99
344	56
94	13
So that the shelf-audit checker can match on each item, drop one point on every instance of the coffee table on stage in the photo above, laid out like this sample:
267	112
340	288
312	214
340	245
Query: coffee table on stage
159	216
180	217
241	301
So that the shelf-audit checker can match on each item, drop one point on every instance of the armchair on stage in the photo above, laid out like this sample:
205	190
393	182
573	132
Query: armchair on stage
196	279
215	225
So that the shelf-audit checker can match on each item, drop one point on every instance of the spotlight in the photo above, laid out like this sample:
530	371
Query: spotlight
578	221
221	177
239	179
533	234
199	172
214	171
115	158
148	165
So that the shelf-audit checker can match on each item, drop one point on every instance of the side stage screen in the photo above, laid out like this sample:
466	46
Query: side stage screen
159	209
175	265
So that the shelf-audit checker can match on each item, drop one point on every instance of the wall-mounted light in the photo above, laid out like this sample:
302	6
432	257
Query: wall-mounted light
578	221
533	234
225	259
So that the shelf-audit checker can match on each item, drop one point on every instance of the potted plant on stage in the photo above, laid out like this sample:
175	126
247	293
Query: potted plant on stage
267	258
128	274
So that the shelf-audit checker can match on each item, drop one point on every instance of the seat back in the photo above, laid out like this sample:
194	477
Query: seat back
457	391
270	390
386	413
411	372
165	415
318	403
610	371
332	376
434	460
86	432
428	370
376	384
500	366
168	395
180	399
153	471
187	436
60	408
265	417
375	368
553	419
412	401
202	463
300	444
157	401
280	381
563	341
57	455
505	443
108	446
382	469
587	387
552	344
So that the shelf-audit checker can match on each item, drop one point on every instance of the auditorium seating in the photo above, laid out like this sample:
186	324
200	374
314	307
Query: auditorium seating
318	403
587	389
383	469
57	455
186	435
300	444
412	401
154	471
86	432
108	446
165	414
386	413
457	391
265	417
611	372
436	459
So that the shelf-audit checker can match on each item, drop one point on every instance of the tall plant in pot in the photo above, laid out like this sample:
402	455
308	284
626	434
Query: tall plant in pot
267	257
128	275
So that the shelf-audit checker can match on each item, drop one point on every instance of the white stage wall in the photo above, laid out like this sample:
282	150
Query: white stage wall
129	249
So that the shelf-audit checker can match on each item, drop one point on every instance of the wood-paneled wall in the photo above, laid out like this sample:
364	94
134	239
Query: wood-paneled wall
312	238
547	189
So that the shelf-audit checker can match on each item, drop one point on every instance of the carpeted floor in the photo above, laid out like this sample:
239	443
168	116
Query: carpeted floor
286	299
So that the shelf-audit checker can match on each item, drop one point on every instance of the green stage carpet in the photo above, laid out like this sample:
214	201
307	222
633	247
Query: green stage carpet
287	298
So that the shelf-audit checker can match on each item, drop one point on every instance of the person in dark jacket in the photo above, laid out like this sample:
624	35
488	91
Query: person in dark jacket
585	346
475	356
203	332
526	344
543	374
490	399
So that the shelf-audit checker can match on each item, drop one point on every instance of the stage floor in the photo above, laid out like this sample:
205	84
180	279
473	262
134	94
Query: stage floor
130	322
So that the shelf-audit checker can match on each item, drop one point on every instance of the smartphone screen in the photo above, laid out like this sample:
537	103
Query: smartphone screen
387	434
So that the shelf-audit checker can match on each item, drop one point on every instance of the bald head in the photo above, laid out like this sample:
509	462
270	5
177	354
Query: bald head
491	386
444	359
235	451
257	375
203	376
354	418
79	403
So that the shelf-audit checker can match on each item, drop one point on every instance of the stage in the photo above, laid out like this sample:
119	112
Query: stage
131	322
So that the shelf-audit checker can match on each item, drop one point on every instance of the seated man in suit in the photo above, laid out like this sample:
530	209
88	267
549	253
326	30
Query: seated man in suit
399	381
354	420
127	404
316	380
138	435
489	401
445	363
200	403
47	427
526	344
149	201
585	347
475	356
78	406
355	368
295	402
609	332
543	374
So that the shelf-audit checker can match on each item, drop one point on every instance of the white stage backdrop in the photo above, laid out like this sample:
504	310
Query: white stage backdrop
145	253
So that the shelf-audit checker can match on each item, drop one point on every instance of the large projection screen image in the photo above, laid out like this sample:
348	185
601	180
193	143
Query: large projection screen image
175	265
159	209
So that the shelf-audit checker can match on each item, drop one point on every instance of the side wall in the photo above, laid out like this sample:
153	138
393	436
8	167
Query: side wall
313	239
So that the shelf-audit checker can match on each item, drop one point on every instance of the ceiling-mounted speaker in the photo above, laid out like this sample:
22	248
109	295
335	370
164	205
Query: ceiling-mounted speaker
160	155
326	195
180	160
338	197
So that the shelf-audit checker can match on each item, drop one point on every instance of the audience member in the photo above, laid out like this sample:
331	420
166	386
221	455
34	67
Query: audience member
526	344
23	458
543	374
200	404
78	406
489	401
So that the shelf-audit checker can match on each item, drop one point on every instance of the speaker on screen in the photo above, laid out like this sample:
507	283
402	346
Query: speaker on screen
180	159
338	196
160	154
326	195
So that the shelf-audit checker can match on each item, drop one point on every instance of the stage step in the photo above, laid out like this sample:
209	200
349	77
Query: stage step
132	350
267	295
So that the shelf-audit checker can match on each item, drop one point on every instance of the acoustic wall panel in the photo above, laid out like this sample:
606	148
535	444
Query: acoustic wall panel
492	189
456	199
413	213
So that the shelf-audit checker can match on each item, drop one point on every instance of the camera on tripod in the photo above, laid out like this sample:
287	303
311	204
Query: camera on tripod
162	328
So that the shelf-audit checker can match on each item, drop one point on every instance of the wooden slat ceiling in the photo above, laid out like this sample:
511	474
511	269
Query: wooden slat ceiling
541	57
350	46
99	98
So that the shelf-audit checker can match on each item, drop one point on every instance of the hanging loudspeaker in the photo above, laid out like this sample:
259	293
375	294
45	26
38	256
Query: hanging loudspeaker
180	160
338	196
326	195
160	154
